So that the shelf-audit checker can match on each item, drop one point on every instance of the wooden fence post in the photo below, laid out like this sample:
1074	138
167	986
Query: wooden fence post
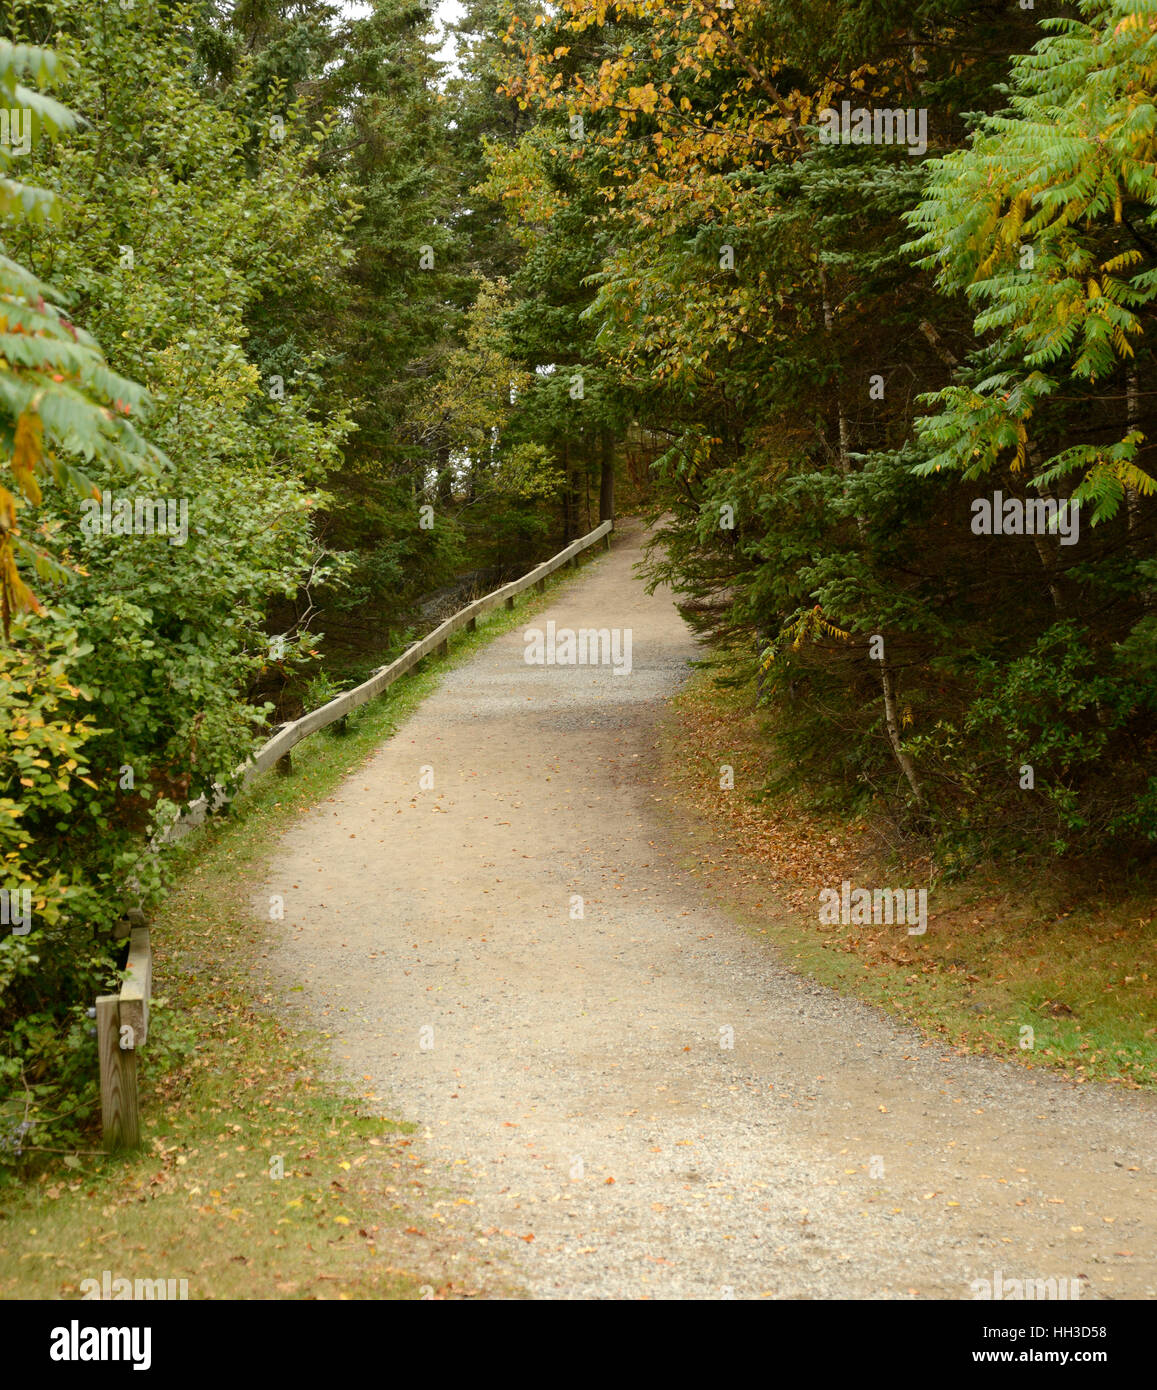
122	1025
119	1103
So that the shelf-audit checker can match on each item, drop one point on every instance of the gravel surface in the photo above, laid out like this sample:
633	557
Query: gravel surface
571	1077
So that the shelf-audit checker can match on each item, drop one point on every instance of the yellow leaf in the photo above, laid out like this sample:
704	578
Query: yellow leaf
26	454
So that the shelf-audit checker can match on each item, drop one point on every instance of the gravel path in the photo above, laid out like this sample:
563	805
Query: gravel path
570	1076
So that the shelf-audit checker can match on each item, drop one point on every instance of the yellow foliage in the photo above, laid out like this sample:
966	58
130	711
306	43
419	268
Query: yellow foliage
27	453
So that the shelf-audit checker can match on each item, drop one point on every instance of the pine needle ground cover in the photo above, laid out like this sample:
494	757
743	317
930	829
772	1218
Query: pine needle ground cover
1064	951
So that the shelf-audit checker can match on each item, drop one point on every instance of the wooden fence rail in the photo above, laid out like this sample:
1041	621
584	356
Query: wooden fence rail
122	1019
289	735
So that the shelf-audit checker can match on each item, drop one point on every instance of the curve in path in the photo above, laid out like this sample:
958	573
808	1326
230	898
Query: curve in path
569	1071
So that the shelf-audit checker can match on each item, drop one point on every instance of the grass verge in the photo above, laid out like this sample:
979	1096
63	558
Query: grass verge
1049	969
261	1174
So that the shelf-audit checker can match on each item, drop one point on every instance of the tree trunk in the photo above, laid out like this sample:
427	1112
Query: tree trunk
1133	420
607	477
568	526
445	476
892	724
887	682
1040	545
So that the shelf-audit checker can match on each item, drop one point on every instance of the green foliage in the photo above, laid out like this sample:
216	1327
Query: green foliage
57	960
59	402
170	224
1046	222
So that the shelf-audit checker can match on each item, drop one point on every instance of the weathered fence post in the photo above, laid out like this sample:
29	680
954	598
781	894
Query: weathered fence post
122	1026
119	1111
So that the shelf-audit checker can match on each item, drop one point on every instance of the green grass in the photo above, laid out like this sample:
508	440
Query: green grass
232	1093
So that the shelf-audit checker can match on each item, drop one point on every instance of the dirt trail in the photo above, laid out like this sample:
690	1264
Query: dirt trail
578	1087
